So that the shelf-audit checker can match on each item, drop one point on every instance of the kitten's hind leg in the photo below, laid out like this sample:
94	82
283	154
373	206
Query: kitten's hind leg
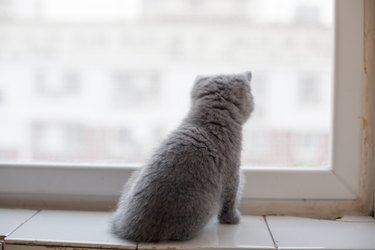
117	220
229	213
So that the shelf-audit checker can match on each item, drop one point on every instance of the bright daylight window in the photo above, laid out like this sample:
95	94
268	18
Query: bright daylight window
104	81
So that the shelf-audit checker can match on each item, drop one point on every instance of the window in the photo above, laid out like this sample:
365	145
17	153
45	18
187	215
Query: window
309	91
1	97
132	89
142	56
52	83
57	141
132	64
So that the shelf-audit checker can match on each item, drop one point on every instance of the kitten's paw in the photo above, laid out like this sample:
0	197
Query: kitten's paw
229	218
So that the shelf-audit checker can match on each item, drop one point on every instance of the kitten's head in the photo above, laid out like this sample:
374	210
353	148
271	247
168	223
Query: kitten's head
232	91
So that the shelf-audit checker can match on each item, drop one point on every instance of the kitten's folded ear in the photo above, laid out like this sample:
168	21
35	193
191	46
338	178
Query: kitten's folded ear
248	75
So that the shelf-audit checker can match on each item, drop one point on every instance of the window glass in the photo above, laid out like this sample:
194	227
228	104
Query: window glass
106	80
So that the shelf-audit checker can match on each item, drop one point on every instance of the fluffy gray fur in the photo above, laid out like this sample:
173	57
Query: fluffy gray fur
194	175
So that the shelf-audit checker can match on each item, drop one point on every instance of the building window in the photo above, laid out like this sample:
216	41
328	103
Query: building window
309	149
135	88
1	97
56	141
309	90
54	83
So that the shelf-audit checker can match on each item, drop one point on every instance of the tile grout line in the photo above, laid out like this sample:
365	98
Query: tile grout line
37	212
270	232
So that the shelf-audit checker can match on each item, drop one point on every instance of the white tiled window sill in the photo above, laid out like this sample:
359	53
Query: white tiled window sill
46	229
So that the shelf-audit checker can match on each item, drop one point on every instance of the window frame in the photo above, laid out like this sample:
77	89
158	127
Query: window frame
97	186
341	179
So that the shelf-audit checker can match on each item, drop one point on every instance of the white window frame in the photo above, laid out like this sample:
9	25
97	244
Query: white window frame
98	186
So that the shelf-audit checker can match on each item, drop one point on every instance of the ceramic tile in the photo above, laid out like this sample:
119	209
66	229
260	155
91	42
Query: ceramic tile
68	228
10	219
250	233
303	233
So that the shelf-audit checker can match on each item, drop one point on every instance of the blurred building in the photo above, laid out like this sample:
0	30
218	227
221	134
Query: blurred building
107	87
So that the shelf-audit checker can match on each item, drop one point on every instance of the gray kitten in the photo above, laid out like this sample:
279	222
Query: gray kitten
194	175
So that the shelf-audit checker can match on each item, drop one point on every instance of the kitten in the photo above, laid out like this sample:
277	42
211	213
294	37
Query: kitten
194	175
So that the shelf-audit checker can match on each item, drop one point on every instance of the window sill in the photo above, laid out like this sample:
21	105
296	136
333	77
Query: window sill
46	229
